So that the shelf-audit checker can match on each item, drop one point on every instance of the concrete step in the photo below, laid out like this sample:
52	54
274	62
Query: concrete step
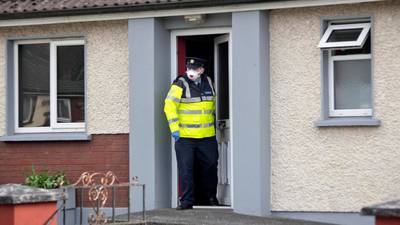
206	217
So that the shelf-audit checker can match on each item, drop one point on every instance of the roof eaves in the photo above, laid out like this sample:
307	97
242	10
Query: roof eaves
129	8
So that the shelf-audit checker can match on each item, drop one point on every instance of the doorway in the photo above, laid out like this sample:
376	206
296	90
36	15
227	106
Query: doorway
213	45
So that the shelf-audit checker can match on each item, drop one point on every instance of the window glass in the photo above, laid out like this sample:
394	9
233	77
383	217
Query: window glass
352	84
70	84
345	35
34	85
366	49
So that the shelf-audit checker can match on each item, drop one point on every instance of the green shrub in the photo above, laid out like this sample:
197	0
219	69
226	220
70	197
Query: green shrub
45	179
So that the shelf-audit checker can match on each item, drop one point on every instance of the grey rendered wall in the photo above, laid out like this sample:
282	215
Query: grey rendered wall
162	133
251	113
149	135
212	20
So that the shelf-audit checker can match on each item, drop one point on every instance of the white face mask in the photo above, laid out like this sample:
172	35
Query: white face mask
193	74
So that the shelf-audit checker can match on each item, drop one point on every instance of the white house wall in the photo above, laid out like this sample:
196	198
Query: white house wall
106	70
336	168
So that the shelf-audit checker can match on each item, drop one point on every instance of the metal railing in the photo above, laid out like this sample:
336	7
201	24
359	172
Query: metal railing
97	186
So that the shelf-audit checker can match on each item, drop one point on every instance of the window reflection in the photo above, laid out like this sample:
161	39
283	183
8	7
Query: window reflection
70	84
34	85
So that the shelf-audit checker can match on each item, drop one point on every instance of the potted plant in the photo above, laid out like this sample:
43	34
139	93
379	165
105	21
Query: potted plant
46	179
58	181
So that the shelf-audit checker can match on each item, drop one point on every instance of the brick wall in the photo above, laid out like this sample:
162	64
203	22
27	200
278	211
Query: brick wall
103	153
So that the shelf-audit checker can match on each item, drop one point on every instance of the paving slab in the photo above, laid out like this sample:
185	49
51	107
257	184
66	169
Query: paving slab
206	217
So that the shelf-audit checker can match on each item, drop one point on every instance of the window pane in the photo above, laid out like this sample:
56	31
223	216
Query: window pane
70	84
352	81
366	49
34	85
345	35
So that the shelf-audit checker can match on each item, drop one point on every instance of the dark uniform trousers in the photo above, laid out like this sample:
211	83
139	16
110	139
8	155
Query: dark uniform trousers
202	152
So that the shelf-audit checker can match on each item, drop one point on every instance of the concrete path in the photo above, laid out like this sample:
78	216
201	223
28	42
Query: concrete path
208	217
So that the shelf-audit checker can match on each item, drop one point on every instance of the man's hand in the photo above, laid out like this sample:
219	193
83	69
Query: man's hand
176	135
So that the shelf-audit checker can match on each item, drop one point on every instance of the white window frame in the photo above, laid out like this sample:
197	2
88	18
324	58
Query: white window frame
331	73
53	85
54	125
345	44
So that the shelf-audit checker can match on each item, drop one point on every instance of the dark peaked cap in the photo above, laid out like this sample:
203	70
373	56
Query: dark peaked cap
194	62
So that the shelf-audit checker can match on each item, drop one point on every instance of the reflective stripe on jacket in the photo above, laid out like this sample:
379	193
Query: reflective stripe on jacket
190	109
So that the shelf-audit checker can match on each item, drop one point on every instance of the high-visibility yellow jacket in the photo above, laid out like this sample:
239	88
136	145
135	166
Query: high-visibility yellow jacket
190	109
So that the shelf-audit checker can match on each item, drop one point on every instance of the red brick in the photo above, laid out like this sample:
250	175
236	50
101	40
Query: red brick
103	152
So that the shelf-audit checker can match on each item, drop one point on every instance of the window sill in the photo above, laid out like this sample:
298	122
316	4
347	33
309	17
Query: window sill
348	122
47	137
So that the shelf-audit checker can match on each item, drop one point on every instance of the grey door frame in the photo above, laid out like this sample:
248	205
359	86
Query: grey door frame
149	139
251	140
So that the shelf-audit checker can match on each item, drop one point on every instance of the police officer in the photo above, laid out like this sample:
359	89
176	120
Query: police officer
190	111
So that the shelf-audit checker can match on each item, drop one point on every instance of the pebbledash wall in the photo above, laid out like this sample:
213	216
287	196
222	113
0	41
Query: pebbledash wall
332	169
106	107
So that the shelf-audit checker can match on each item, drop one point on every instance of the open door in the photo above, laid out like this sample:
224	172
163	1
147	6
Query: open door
221	62
214	46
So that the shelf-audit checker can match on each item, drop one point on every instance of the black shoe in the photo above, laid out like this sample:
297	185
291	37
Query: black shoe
214	202
184	207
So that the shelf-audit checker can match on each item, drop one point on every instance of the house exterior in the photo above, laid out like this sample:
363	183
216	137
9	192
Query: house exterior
311	97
